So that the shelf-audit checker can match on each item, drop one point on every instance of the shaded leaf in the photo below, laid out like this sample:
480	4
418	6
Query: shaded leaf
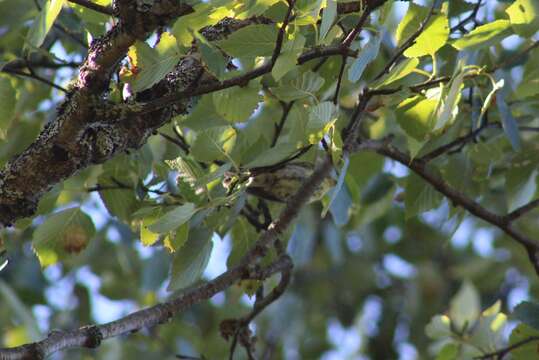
61	235
190	261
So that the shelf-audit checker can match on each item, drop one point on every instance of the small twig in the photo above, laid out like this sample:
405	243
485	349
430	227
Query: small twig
455	196
515	214
279	126
339	80
469	18
177	142
280	35
357	29
239	328
319	52
499	354
457	142
411	40
514	58
93	6
280	164
35	76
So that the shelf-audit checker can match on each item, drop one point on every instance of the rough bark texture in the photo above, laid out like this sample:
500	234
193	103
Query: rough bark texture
88	129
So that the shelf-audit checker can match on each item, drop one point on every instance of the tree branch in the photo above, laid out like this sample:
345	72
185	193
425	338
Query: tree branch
500	354
87	130
456	197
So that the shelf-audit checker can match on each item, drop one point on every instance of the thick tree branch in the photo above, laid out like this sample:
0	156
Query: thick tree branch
92	336
87	129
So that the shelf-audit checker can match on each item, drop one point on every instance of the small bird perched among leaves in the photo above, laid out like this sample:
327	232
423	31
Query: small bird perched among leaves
278	184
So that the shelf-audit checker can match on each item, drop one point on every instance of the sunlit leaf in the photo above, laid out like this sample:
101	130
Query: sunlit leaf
524	17
484	35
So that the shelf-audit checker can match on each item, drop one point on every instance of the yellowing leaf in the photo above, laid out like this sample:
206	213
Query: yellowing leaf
524	17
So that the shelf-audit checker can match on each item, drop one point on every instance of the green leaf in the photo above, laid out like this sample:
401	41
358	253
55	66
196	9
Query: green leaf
203	116
465	307
337	188
173	219
204	14
191	260
273	155
19	310
419	196
530	82
43	23
321	118
528	313
449	107
213	144
366	56
61	235
119	202
236	104
153	64
524	17
527	351
8	100
175	240
439	327
398	72
520	183
212	56
287	60
256	8
484	35
300	87
328	17
509	124
416	116
250	41
243	236
449	352
433	37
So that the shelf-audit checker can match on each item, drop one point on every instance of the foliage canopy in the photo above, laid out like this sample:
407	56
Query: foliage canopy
269	179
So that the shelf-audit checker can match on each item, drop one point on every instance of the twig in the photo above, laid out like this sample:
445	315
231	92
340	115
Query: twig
243	79
339	80
280	34
35	76
93	6
357	29
239	328
515	214
177	142
279	126
409	42
499	354
469	18
457	142
455	196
